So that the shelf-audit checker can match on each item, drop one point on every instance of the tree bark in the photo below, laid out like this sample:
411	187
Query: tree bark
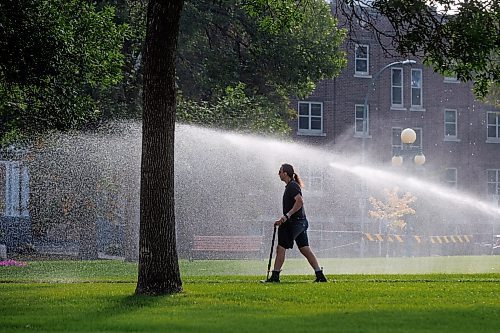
158	260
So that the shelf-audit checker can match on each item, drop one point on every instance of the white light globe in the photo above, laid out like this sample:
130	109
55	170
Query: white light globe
419	159
408	135
397	161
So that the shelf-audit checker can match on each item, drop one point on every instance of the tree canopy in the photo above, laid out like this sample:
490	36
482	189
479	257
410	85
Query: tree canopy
223	43
56	57
458	38
252	51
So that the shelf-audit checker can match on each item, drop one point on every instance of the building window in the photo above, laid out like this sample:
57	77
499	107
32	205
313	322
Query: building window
451	79
396	141
397	87
493	126
417	145
451	177
493	182
362	59
397	144
310	117
313	177
450	124
416	88
14	189
361	127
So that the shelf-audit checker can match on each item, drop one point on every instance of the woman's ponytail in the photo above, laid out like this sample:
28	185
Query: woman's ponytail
298	180
288	169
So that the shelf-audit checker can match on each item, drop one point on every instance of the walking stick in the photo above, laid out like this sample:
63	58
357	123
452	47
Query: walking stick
271	254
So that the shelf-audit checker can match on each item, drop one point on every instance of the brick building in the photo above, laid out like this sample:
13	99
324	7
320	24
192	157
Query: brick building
459	136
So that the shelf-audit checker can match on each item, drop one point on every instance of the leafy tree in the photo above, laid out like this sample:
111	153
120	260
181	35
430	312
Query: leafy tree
54	63
394	209
158	259
493	96
225	43
235	110
252	46
124	100
270	57
456	37
392	212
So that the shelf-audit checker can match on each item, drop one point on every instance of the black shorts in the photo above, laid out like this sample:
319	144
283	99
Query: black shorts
293	230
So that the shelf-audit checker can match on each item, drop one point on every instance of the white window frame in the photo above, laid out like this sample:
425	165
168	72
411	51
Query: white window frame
455	124
16	190
394	105
396	147
309	131
450	79
495	183
314	179
495	139
452	183
420	135
366	131
367	59
417	107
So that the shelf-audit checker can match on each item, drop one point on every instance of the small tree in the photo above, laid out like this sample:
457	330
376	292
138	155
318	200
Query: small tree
394	209
392	212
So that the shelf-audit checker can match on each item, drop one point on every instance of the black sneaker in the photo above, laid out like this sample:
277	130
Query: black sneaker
320	277
275	277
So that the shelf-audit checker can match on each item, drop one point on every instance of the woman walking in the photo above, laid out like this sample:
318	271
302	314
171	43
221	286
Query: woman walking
293	225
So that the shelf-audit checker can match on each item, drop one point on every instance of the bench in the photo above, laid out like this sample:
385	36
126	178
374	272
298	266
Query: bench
226	245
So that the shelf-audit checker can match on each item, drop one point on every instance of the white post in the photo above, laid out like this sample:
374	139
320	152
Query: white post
3	252
12	198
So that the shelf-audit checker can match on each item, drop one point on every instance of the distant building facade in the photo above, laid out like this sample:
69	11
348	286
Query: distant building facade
459	136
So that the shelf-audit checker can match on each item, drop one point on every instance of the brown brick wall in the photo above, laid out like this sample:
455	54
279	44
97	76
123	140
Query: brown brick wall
470	154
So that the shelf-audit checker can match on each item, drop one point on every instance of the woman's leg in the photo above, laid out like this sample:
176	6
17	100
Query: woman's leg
311	258
280	258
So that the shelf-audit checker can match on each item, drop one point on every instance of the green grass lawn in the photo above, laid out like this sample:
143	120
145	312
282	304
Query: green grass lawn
225	296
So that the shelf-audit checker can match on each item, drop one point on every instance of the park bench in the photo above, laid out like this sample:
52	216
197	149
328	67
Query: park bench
225	246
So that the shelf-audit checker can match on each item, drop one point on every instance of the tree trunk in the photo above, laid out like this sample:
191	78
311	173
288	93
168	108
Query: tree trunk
158	261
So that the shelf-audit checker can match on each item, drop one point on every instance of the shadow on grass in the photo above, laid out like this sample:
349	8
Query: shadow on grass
148	314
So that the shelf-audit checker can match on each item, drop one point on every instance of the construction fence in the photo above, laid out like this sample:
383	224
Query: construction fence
358	244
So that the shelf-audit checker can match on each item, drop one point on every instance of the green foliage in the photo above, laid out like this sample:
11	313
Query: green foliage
493	95
124	100
466	44
458	38
235	110
274	16
277	49
59	70
55	59
13	136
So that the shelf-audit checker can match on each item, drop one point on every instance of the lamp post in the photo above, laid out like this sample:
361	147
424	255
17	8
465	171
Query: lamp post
365	135
408	137
367	96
